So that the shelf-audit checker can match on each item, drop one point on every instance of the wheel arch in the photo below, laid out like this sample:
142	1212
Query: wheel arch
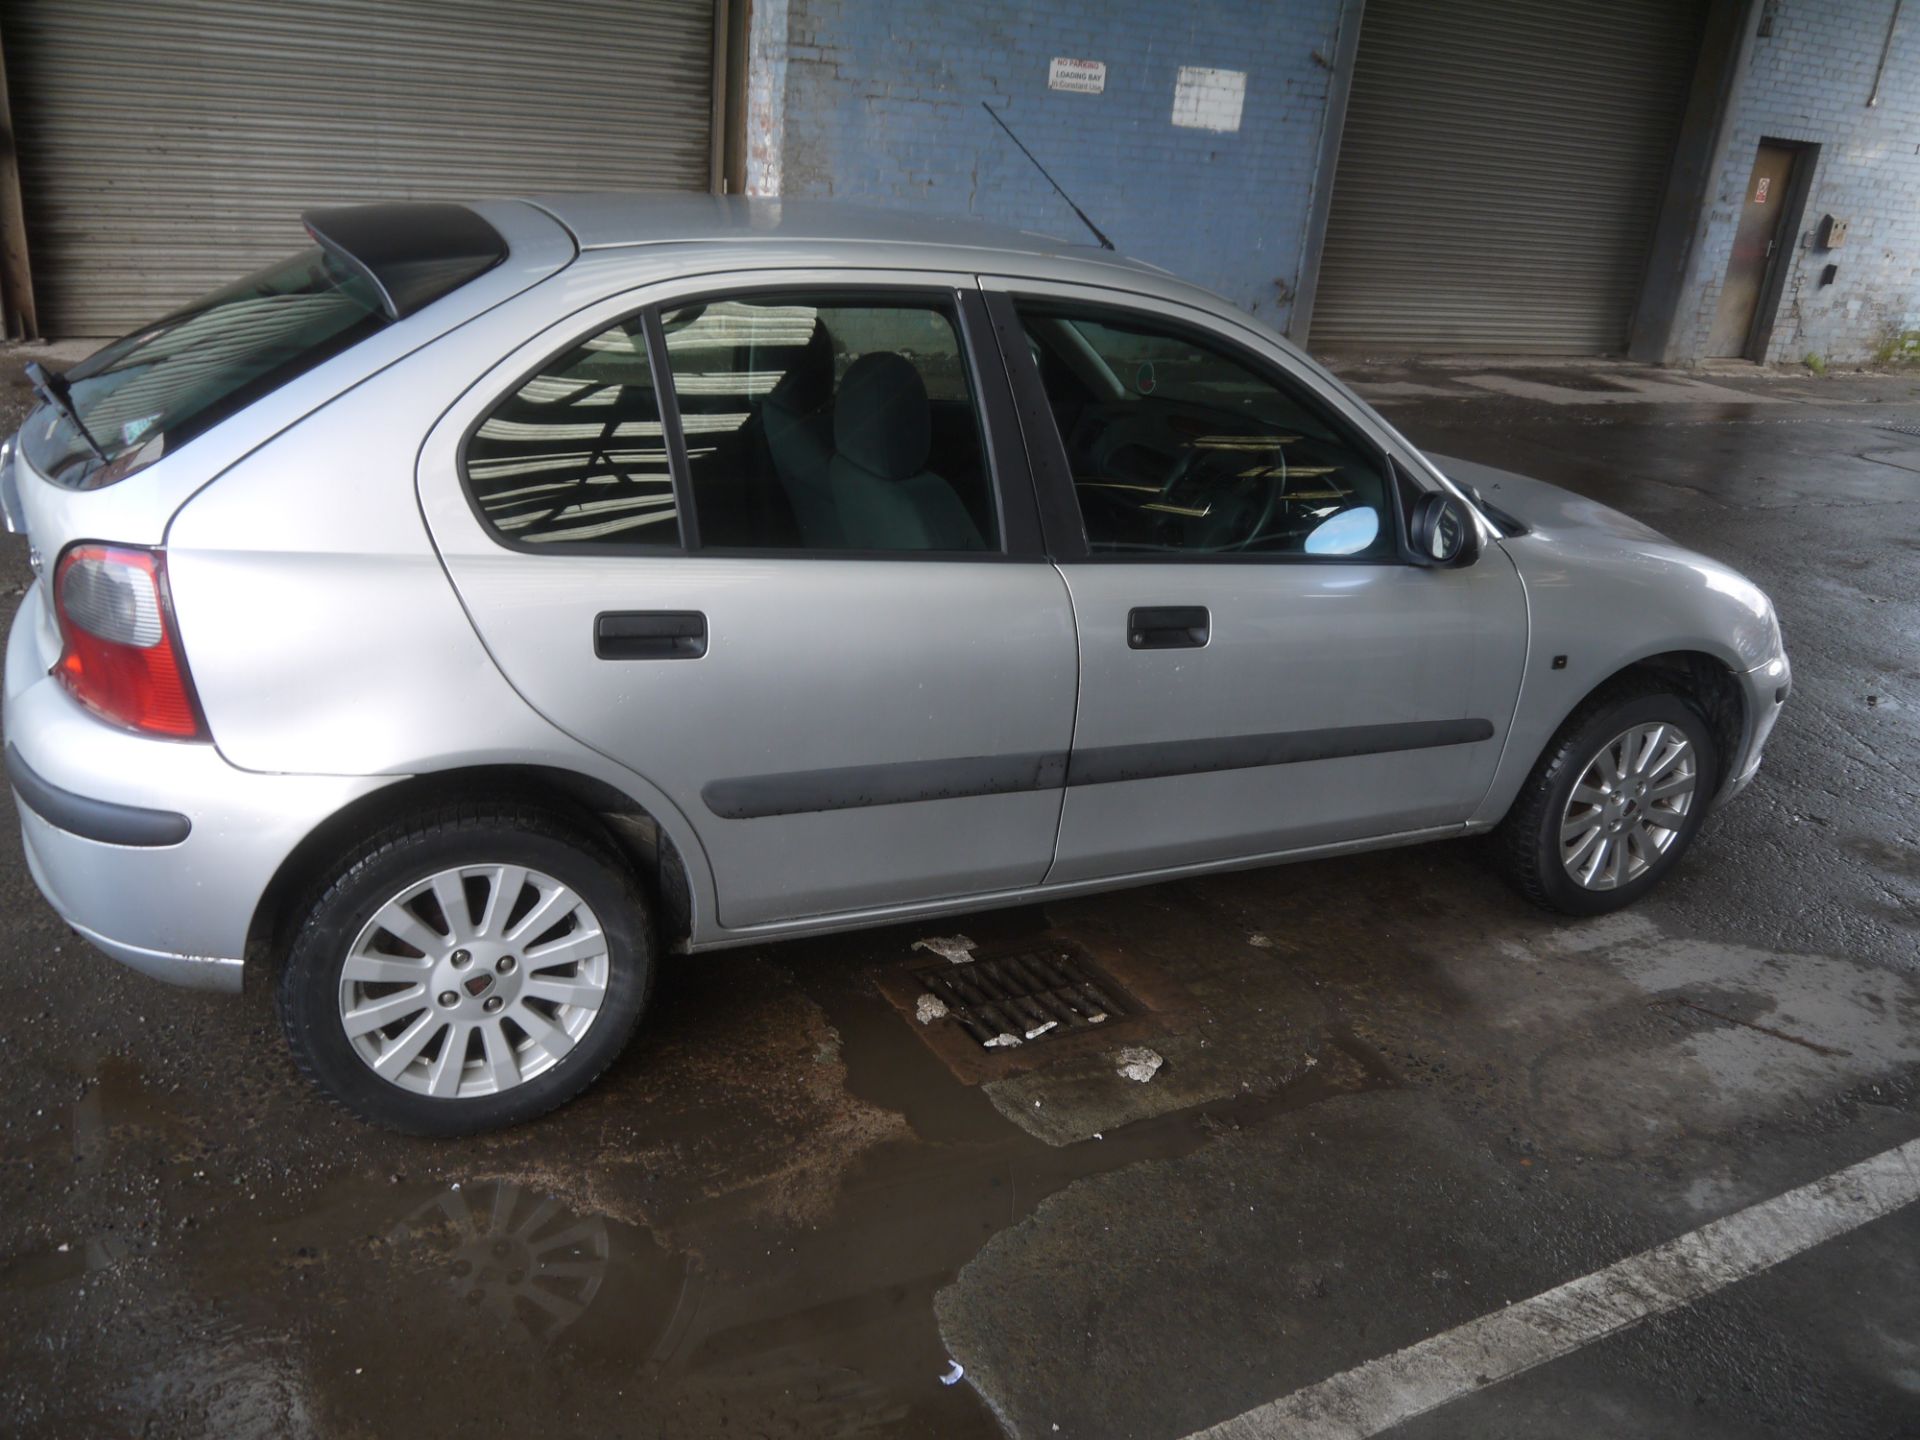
1703	678
1709	683
598	807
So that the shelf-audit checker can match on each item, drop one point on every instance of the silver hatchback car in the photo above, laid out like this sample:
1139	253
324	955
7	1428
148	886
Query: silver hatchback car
446	618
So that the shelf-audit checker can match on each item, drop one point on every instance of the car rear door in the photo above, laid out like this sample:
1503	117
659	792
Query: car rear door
800	589
1261	669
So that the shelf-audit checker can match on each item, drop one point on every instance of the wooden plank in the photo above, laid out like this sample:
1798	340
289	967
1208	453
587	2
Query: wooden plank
16	275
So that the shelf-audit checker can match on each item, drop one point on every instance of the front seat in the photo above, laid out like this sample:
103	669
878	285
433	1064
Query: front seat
882	431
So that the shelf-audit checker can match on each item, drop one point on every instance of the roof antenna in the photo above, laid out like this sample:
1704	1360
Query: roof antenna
1105	243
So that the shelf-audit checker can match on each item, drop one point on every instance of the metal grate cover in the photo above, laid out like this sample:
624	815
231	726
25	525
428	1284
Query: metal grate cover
1032	994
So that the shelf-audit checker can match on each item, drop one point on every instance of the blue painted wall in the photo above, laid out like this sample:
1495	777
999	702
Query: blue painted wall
880	103
1809	77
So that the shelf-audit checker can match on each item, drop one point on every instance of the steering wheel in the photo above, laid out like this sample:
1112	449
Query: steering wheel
1231	512
1269	507
1241	516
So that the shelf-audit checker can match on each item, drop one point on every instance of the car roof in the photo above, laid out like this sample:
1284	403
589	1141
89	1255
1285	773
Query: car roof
643	235
610	220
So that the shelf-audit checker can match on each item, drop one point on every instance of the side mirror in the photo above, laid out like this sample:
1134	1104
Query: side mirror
1442	532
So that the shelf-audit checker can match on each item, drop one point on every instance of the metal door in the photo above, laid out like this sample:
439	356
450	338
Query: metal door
1231	708
1756	246
843	733
1501	168
169	147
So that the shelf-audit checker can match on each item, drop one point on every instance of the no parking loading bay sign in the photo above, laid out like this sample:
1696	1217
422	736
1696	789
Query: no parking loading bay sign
1083	77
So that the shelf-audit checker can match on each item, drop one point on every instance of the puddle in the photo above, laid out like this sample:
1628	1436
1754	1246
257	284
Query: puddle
742	1231
749	1224
745	1228
521	1258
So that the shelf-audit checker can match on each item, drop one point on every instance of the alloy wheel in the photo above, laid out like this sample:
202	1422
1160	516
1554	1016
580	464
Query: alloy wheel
473	980
1628	806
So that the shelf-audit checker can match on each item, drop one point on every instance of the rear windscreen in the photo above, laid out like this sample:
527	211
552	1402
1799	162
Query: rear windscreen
152	392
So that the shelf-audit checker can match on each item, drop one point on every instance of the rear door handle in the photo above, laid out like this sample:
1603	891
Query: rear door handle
650	635
1168	627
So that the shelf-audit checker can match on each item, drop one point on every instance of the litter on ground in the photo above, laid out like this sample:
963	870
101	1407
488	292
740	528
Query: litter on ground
1138	1063
930	1009
1039	1030
952	1377
1002	1042
956	948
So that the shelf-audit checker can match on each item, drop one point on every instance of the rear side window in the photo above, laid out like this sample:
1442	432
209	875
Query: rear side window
577	454
811	423
149	394
814	422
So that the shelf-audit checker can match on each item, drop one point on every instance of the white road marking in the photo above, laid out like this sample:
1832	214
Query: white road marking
1625	389
1382	1393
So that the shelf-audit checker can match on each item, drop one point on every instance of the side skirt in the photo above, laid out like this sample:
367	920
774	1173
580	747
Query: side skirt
723	939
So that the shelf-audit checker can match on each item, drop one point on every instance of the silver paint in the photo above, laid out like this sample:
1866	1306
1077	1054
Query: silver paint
348	623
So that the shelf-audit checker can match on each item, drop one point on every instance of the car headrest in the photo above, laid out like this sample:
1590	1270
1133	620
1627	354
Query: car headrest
808	384
881	420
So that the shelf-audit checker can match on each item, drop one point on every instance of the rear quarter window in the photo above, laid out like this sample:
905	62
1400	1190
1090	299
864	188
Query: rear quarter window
577	453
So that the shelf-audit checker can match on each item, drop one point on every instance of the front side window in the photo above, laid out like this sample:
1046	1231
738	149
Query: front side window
1179	447
577	454
815	422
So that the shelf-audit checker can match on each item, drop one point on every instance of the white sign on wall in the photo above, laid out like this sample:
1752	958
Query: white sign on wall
1083	77
1209	99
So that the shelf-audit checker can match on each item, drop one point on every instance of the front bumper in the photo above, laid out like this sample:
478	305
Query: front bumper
170	847
1767	688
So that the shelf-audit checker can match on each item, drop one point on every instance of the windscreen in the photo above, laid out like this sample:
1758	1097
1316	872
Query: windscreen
149	394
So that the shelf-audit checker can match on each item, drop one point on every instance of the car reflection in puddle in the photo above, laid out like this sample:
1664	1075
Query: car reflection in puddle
515	1255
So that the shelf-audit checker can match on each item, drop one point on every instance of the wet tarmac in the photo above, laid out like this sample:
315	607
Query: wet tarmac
1393	1098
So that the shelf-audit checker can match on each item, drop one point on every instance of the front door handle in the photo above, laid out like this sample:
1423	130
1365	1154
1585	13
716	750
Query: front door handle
650	635
1168	627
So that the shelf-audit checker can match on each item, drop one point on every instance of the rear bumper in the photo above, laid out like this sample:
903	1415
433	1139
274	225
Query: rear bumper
157	852
13	519
195	972
92	819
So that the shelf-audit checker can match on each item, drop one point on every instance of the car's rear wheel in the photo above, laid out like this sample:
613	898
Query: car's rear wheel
469	969
1613	803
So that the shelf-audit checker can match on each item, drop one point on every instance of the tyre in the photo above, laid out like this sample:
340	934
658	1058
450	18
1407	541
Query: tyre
1613	803
471	968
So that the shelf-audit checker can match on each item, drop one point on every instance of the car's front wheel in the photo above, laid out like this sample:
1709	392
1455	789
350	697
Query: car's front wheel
1613	803
468	969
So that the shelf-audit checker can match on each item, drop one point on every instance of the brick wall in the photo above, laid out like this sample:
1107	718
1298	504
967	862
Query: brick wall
1809	80
879	103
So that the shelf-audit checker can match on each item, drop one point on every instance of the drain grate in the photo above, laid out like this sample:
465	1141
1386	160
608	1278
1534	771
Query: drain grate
1902	429
1033	994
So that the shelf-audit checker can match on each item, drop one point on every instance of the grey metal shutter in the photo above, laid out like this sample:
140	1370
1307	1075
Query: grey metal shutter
1500	173
169	147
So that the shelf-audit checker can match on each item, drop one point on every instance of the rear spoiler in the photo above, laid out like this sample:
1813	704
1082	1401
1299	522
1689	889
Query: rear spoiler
412	252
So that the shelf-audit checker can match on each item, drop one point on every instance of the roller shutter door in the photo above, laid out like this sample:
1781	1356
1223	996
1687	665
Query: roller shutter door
168	147
1500	172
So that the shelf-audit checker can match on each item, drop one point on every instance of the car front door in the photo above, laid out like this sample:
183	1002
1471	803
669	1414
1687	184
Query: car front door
1262	668
774	548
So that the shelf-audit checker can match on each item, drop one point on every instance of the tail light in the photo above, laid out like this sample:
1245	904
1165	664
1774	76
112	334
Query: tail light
121	657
